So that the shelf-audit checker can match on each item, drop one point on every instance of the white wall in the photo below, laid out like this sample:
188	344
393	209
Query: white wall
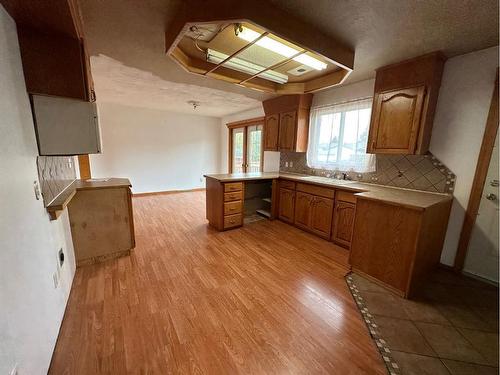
459	123
271	158
358	90
31	309
157	150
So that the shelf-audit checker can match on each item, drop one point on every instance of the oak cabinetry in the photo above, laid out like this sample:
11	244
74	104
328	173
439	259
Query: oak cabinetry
224	204
271	131
286	210
343	218
53	51
404	103
302	217
233	196
343	223
287	123
314	213
287	131
233	186
397	117
397	245
321	216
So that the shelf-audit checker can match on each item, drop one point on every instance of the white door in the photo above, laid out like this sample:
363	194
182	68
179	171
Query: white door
482	256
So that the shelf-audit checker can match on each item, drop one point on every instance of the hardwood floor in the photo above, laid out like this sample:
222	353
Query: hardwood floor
263	299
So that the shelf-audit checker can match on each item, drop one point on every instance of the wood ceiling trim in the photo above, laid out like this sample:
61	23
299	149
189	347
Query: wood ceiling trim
265	15
197	66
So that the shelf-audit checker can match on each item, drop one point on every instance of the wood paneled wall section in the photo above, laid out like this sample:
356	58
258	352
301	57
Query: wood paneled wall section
84	166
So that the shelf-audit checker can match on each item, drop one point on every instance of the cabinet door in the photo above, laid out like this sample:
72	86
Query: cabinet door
303	208
271	130
343	223
286	205
321	216
396	121
287	131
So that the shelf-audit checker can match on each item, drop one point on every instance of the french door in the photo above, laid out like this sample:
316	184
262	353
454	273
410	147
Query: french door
245	148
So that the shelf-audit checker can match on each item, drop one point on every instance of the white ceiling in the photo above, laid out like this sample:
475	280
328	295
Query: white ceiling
117	83
130	36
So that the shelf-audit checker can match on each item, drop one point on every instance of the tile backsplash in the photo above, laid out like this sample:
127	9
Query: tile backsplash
419	172
55	173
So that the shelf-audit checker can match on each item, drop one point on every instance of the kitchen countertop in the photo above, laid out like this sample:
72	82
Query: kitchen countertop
414	199
61	201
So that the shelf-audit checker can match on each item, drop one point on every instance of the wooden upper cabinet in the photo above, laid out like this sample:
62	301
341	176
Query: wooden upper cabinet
343	223
303	210
287	123
271	131
321	216
404	104
287	131
286	208
396	120
53	51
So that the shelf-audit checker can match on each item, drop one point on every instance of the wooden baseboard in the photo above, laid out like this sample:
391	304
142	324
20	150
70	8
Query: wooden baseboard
166	192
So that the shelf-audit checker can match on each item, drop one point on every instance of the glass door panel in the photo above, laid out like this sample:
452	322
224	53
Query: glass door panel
237	149
254	148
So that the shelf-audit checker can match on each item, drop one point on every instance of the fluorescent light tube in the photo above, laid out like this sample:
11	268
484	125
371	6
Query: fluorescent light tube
246	67
280	48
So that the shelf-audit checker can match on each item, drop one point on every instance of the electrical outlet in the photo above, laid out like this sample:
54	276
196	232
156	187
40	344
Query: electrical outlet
60	257
291	164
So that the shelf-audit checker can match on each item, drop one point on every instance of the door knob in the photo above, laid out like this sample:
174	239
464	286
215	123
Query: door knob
491	197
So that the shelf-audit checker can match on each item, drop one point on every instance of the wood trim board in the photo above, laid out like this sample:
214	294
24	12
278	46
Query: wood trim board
483	163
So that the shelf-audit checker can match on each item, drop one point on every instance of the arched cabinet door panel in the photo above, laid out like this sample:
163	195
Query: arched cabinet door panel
303	210
396	120
287	124
343	223
321	216
271	131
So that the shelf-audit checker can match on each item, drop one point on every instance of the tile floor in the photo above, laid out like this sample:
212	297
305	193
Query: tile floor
451	328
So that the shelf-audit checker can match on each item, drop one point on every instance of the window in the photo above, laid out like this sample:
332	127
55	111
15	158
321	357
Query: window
245	146
338	135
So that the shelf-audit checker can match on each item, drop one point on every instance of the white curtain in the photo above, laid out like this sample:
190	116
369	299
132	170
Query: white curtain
338	135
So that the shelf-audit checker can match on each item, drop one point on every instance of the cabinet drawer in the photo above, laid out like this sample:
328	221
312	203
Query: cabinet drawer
234	196
345	196
316	190
233	186
232	221
287	184
232	207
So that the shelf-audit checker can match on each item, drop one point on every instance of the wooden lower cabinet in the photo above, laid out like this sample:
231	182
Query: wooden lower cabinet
321	216
343	223
302	217
102	224
397	245
286	209
314	213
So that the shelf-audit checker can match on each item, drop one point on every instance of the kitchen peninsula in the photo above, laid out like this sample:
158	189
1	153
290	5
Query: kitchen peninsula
394	235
